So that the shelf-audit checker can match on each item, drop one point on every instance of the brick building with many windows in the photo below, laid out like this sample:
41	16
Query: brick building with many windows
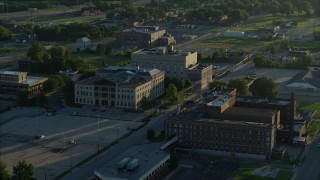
215	124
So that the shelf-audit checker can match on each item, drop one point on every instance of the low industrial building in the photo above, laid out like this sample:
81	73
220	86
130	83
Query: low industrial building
179	65
145	37
140	162
121	87
11	81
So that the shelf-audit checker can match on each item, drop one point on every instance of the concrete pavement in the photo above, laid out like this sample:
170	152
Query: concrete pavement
138	137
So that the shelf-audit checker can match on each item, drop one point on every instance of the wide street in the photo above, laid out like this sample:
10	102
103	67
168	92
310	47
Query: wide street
309	169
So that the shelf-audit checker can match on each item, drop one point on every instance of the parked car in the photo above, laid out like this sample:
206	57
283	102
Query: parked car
39	136
318	145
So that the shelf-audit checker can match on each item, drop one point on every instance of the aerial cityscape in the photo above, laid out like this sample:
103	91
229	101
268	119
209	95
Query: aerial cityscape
159	89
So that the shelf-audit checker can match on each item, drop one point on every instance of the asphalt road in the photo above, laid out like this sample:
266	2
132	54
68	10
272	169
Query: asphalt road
86	171
309	170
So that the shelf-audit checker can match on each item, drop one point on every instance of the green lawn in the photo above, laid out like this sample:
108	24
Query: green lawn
268	19
247	174
12	48
313	129
95	60
311	106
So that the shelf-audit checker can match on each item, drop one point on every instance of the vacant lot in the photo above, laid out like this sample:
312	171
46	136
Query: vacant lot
55	153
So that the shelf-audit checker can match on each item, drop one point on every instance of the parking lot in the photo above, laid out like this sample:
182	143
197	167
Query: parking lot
67	140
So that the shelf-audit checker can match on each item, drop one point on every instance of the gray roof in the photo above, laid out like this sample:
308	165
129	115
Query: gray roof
148	155
83	39
307	77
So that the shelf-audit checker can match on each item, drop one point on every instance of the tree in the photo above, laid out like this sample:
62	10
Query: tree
36	52
22	96
181	84
274	7
23	171
41	99
240	84
4	174
264	87
171	93
150	134
5	34
145	103
59	56
187	83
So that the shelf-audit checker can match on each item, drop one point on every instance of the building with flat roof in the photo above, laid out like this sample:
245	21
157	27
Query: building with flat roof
145	37
141	162
176	64
122	87
287	108
11	81
215	124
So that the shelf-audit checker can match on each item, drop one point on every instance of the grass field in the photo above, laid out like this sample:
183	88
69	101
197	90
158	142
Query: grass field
96	60
247	174
311	106
268	19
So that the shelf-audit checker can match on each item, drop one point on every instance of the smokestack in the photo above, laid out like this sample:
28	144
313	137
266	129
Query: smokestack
293	106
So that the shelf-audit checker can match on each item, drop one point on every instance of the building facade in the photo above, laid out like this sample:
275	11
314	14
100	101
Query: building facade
179	65
214	124
145	37
122	87
11	81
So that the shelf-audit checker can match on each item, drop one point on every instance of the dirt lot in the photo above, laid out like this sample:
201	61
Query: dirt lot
55	153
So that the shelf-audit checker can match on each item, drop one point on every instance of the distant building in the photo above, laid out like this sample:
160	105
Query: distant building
140	162
121	87
11	81
83	44
179	65
145	37
236	34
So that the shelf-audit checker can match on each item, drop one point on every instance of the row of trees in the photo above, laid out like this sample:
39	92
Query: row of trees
237	10
52	60
22	171
23	98
262	86
297	63
172	87
73	31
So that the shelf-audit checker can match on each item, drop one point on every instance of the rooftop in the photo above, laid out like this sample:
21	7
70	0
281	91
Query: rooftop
122	76
244	112
12	72
261	100
146	155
